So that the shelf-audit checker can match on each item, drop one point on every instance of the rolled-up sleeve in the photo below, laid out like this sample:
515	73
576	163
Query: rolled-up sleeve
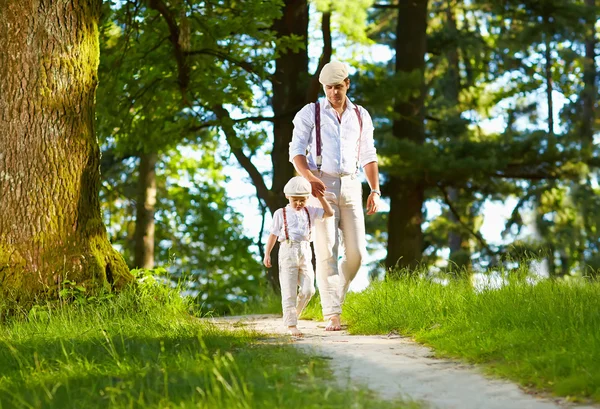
368	153
315	213
277	222
302	134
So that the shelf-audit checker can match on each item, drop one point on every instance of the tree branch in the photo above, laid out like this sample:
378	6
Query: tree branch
215	53
235	145
220	111
475	234
385	6
208	124
313	89
183	71
263	208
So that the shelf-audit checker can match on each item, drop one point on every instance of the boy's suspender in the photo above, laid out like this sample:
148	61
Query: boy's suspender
285	224
318	135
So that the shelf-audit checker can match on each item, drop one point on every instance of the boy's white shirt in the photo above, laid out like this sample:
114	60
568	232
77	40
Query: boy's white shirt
297	222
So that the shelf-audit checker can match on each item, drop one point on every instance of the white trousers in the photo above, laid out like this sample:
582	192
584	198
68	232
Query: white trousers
295	270
343	234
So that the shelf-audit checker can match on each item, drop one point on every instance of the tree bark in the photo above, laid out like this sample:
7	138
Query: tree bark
548	74
51	228
458	242
405	237
144	219
290	82
589	79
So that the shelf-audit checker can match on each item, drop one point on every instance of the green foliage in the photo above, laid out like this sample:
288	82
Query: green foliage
543	335
143	350
202	236
152	106
349	18
199	239
486	62
157	95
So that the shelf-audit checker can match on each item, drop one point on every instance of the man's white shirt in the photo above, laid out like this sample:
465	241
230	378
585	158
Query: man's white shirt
298	228
339	140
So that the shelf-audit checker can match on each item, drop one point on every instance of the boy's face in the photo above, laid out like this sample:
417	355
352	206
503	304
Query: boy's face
297	202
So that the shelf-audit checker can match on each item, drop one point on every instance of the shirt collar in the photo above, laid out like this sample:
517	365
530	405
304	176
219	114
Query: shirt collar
291	208
327	104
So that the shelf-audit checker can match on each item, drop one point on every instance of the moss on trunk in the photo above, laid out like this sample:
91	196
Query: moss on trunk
50	222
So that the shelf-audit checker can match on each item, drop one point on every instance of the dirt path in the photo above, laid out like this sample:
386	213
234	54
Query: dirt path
395	366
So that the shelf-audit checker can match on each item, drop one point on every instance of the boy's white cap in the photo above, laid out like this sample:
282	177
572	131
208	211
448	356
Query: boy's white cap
333	73
297	186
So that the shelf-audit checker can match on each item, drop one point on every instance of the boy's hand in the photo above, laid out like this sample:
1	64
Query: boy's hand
267	261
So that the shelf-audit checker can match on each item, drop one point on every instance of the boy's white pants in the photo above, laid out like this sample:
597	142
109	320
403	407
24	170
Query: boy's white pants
334	275
295	270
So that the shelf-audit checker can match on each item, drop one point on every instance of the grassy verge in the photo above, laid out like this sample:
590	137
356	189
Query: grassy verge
545	335
142	349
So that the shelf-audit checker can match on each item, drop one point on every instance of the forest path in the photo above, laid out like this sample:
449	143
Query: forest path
394	366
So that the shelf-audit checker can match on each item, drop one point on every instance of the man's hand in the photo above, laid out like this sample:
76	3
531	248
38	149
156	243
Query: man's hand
373	203
267	261
318	187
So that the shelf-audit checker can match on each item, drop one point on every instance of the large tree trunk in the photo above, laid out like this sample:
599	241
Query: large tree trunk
589	79
588	97
548	75
50	223
458	241
405	238
144	218
289	90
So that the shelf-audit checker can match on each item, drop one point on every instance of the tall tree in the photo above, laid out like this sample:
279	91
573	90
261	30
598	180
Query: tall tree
590	75
458	242
144	214
405	238
201	61
50	223
289	85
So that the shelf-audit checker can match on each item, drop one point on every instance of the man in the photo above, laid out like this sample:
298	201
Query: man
332	139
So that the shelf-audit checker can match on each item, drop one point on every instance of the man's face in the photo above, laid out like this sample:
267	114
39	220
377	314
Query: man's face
297	202
336	94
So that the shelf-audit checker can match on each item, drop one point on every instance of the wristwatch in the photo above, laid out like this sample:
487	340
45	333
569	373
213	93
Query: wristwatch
376	191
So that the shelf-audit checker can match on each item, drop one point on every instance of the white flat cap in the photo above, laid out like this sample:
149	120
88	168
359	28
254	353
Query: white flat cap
297	186
333	73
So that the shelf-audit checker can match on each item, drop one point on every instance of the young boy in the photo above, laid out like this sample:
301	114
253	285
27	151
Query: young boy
293	227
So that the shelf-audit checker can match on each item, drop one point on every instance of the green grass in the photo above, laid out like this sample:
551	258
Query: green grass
545	336
142	349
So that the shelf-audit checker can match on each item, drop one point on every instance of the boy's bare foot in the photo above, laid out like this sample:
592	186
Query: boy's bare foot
333	324
294	331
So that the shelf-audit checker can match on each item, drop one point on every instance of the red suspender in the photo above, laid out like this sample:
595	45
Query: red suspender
287	236
359	137
285	225
318	135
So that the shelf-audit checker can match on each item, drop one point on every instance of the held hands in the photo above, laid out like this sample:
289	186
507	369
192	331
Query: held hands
318	187
373	203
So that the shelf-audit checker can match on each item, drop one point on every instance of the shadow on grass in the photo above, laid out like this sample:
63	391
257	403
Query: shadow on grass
206	370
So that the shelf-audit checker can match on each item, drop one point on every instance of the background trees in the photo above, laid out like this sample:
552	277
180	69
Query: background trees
475	102
488	106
